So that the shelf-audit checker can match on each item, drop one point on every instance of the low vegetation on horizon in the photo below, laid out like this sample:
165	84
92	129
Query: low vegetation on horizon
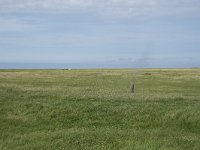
94	109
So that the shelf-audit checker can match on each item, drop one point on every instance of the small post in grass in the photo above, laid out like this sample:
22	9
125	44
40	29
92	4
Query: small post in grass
132	88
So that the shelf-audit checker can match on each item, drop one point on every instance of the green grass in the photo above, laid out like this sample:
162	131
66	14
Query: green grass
93	109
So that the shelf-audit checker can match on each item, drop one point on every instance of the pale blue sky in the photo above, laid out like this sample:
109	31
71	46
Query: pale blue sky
100	33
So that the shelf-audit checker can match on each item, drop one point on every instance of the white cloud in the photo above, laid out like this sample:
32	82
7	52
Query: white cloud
13	24
103	7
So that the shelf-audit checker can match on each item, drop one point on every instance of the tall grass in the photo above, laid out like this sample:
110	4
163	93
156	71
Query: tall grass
93	109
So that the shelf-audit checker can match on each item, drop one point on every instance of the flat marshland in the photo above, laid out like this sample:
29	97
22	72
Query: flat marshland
93	109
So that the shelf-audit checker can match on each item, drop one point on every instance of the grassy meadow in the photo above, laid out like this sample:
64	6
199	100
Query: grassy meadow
93	109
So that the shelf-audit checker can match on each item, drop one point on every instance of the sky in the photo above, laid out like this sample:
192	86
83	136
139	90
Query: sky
99	33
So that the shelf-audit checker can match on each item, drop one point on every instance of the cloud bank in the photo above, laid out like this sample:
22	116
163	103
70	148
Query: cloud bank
103	7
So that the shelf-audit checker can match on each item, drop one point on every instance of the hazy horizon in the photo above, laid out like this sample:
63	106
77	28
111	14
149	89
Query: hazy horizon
79	66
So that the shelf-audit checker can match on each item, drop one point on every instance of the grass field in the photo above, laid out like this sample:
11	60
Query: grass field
93	109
